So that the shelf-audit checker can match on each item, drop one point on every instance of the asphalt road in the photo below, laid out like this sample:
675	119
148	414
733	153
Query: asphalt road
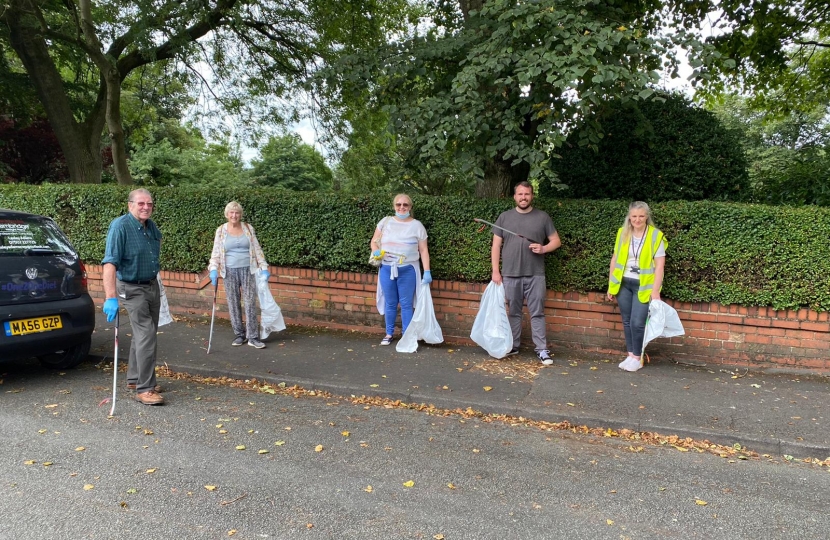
144	472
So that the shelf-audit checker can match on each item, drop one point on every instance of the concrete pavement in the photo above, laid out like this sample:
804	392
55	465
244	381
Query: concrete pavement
774	413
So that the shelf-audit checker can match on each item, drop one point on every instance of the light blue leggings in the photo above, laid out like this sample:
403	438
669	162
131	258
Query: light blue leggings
398	291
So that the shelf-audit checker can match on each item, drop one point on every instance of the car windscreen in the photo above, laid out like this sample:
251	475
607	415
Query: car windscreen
31	236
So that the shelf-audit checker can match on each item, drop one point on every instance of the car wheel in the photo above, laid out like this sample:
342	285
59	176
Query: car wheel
67	358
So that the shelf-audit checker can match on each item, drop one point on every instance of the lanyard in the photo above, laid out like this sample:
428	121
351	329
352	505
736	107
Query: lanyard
634	247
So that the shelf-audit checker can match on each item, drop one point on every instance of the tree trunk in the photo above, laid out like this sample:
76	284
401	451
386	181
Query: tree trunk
112	79
469	5
500	177
115	128
80	142
496	182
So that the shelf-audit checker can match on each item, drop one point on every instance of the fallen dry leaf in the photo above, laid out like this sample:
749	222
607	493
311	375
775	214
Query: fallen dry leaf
368	489
488	388
263	451
279	443
210	488
87	487
240	447
345	433
409	483
151	471
318	448
80	449
451	485
700	503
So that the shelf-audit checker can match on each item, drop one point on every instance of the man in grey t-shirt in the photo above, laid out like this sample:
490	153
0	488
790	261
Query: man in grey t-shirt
523	265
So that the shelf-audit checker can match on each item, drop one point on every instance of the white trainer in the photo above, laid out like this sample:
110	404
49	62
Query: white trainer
631	364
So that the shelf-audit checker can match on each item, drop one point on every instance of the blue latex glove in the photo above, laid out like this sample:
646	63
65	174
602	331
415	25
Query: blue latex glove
376	254
214	277
427	277
111	308
265	273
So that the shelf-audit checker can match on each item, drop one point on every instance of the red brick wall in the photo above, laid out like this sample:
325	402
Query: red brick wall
715	334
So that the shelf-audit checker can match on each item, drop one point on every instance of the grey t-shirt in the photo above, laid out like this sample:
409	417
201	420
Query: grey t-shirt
516	258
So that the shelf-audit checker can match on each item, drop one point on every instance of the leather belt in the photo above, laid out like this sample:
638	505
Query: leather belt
140	281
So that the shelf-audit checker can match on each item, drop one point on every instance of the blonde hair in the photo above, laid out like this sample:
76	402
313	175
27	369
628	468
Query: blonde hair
627	228
408	198
233	205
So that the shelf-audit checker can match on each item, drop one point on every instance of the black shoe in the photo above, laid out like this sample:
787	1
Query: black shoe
513	352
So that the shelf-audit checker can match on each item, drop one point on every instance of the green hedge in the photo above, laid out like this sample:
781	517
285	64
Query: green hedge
722	252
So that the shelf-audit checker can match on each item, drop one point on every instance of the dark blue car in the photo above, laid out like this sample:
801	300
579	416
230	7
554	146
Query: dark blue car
45	309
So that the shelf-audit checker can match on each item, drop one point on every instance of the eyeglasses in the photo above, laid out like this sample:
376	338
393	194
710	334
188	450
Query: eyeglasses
403	204
147	204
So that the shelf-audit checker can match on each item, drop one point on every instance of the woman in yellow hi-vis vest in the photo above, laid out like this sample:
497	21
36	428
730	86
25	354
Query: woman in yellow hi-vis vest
635	276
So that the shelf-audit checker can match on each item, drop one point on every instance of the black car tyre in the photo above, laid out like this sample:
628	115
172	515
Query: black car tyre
67	358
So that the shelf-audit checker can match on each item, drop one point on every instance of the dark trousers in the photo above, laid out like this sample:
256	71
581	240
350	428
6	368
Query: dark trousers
634	314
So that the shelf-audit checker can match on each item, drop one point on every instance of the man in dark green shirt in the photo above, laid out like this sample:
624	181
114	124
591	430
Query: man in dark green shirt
131	267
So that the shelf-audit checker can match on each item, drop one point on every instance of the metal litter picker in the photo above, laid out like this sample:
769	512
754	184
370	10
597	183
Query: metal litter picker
531	240
114	370
212	317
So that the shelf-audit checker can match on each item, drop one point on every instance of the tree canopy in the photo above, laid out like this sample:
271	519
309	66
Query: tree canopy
498	85
288	162
78	55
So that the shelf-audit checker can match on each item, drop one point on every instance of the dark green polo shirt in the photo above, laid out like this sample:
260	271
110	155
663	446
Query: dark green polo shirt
133	248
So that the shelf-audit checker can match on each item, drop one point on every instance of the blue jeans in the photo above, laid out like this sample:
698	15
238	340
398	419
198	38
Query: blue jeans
398	291
634	314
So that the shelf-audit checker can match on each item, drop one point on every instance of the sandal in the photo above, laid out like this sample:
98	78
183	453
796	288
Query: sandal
386	340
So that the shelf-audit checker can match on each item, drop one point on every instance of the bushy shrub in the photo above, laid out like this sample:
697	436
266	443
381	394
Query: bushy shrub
654	151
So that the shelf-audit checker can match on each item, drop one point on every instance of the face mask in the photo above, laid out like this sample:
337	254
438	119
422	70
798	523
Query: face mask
402	216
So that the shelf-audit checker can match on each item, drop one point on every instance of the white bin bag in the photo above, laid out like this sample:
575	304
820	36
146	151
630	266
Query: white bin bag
663	321
491	329
270	319
423	326
164	308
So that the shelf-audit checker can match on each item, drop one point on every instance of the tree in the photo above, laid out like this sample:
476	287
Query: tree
256	49
788	156
498	85
776	51
656	150
176	155
375	161
289	163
